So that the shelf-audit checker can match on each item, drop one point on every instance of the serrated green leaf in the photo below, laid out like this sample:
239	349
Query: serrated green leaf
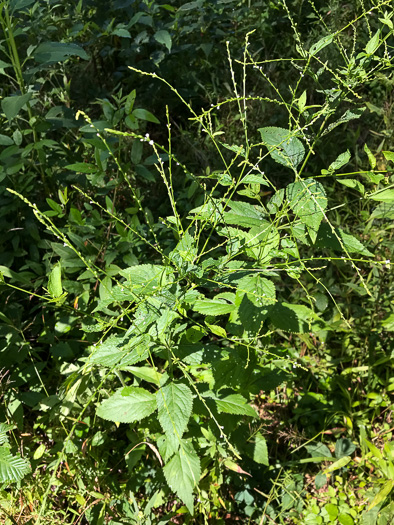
183	472
260	291
261	240
4	428
308	201
260	453
354	184
12	468
55	281
174	402
146	373
127	405
121	350
212	307
284	148
145	279
235	404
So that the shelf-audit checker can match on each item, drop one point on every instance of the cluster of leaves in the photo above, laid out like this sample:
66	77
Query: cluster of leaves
148	303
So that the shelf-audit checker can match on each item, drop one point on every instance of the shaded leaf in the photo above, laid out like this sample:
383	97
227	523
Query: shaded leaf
163	37
51	52
12	105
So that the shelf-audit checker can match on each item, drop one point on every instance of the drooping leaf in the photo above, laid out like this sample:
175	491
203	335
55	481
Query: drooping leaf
163	37
373	43
12	468
174	402
260	453
353	183
183	472
308	201
284	148
55	281
51	52
349	114
127	405
12	105
235	404
143	114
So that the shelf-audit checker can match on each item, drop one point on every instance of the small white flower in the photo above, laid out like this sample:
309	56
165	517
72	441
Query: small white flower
151	142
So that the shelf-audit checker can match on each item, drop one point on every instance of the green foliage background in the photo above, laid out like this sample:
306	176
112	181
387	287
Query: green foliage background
196	288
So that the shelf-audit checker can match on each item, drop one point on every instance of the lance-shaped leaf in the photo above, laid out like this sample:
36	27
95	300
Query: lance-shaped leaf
55	281
182	473
174	402
128	404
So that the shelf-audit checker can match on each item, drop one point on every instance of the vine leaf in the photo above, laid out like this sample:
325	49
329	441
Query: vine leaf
284	148
235	404
182	473
174	402
127	405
